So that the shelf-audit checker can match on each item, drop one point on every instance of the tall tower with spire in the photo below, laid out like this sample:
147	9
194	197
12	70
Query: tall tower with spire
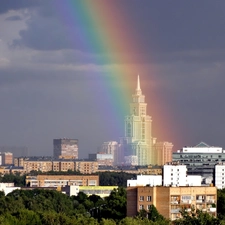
138	130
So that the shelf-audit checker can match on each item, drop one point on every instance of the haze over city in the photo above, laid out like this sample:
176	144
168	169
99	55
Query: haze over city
69	69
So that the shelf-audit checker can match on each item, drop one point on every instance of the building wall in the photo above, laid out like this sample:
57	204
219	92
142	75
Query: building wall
85	167
170	200
174	175
220	176
65	148
163	152
144	180
6	158
62	180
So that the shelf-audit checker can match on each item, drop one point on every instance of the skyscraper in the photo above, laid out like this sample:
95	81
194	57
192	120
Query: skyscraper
138	130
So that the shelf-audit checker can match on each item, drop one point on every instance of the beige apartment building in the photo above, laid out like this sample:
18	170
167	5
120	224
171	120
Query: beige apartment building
62	180
170	200
45	165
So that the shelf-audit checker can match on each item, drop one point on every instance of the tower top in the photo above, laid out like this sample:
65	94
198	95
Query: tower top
138	89
138	83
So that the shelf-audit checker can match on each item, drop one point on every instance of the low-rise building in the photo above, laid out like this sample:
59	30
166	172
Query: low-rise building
8	187
45	164
102	158
102	191
62	180
169	201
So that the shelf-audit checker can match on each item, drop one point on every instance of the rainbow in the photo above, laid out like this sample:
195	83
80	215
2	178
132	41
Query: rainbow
104	30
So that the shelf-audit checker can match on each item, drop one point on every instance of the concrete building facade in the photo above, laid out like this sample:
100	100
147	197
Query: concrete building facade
169	201
220	175
65	148
200	160
62	180
163	152
45	164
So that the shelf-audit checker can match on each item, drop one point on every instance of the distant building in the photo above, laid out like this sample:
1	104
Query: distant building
101	191
138	130
163	152
169	201
62	180
6	158
131	160
45	164
200	160
102	158
17	151
65	148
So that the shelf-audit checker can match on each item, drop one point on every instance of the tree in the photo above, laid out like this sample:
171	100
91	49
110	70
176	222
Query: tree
116	204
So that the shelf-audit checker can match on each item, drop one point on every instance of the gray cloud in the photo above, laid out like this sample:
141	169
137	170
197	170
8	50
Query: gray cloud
13	18
7	5
55	86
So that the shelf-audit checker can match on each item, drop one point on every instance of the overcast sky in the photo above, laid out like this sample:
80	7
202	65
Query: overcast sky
53	83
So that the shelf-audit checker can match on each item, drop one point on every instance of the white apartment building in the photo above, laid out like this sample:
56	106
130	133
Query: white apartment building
220	175
176	175
145	180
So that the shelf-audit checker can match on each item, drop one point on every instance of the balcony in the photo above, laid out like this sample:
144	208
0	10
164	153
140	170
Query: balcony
212	209
200	201
174	202
175	210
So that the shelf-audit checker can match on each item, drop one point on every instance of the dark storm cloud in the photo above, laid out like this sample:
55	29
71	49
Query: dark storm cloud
162	30
13	18
181	49
7	5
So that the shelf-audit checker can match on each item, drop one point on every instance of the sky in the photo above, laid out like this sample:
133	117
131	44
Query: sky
69	69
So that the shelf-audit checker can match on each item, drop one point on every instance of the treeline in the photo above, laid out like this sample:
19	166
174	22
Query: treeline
47	207
105	178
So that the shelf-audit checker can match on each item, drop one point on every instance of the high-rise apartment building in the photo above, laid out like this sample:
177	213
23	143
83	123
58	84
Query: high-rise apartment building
6	158
138	130
163	152
170	201
65	148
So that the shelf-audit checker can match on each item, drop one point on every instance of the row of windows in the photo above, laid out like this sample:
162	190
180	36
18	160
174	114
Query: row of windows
148	198
142	207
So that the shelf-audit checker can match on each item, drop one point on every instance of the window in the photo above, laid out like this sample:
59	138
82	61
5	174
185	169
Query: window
141	207
149	207
141	198
149	198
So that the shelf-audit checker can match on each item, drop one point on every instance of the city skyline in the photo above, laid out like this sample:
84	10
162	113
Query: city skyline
68	70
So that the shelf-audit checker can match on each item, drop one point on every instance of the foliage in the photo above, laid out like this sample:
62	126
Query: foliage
196	217
17	179
116	204
114	178
221	203
152	215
